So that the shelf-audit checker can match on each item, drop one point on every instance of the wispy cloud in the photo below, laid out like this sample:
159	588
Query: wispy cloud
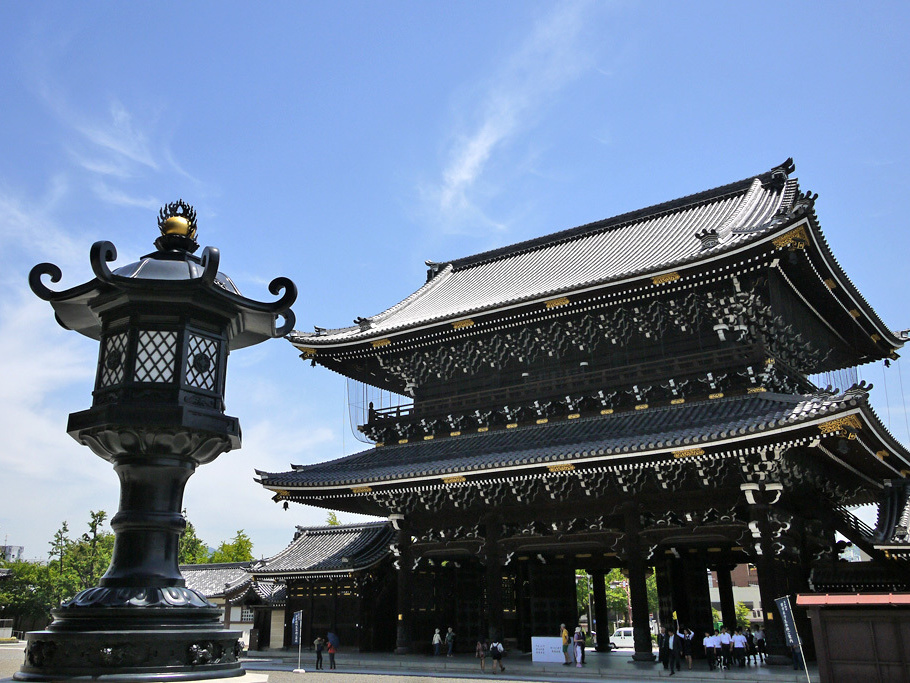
548	59
120	198
120	136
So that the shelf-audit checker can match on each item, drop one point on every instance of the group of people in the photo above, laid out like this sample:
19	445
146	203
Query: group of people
449	643
324	645
674	646
494	649
573	646
723	649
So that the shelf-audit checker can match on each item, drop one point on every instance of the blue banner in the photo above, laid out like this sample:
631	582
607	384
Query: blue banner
296	627
787	621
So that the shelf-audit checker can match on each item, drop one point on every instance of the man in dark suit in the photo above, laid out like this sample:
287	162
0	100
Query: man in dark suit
663	654
674	650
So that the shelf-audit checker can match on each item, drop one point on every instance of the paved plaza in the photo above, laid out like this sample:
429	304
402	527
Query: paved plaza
364	667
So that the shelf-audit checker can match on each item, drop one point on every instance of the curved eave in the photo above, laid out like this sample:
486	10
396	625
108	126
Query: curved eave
845	284
319	573
794	431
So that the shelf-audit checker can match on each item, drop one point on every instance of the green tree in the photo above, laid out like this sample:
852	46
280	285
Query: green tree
28	592
91	554
742	615
239	549
582	590
332	519
191	549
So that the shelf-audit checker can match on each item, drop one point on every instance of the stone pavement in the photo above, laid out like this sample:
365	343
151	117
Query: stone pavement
364	667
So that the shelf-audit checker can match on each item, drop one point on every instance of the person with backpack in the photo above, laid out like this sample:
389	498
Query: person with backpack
319	646
496	651
450	642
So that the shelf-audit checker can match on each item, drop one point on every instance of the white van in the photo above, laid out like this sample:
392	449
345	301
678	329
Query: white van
622	637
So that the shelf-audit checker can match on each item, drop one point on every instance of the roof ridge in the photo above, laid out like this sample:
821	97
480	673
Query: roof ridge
614	222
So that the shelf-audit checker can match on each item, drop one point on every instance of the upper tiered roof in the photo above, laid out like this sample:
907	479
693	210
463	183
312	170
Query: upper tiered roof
647	241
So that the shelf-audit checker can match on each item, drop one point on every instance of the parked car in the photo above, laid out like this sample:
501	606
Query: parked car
622	637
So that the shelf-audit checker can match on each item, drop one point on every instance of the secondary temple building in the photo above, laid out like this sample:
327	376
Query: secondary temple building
630	393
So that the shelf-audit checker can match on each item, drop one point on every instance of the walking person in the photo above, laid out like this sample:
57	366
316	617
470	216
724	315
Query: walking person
751	652
450	642
663	655
579	641
726	643
437	643
686	637
496	650
319	646
709	644
760	643
480	651
739	648
674	650
331	650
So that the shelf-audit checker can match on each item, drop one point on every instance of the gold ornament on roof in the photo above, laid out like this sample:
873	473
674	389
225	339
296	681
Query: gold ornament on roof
178	218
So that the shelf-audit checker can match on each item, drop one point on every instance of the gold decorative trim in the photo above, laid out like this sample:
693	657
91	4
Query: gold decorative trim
719	394
401	441
561	467
796	239
641	406
855	313
769	361
606	411
556	303
756	390
512	425
307	351
542	421
830	283
573	416
483	429
666	277
281	493
714	550
461	324
380	342
876	338
454	433
839	423
379	444
688	452
429	437
455	479
361	489
881	455
677	401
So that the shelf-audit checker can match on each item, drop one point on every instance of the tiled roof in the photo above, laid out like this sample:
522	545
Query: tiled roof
671	427
645	241
348	547
214	580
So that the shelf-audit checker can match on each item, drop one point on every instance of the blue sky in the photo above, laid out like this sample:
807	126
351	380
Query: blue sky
342	144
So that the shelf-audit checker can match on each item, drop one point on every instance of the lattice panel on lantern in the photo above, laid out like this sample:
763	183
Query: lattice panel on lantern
112	365
201	362
155	354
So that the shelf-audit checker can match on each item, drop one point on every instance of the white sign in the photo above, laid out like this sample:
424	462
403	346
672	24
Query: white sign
547	650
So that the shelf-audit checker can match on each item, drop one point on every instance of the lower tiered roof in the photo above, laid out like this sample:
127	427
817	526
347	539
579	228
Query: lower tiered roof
652	433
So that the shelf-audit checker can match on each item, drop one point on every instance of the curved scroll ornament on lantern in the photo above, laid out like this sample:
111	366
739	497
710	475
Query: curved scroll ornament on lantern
177	222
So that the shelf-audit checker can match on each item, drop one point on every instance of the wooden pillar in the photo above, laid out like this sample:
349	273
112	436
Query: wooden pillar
638	586
664	579
493	576
698	594
601	618
725	590
403	641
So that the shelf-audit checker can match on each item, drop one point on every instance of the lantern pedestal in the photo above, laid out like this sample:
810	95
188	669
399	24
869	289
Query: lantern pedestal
166	326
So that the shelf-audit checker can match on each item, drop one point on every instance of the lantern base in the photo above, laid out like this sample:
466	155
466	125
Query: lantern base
102	634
